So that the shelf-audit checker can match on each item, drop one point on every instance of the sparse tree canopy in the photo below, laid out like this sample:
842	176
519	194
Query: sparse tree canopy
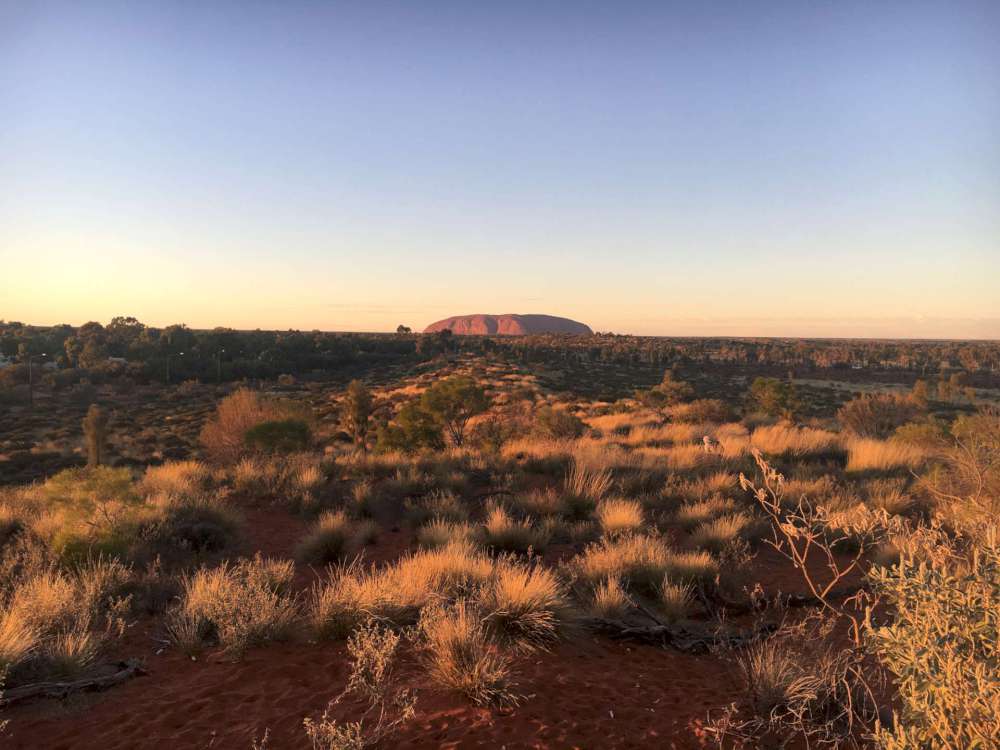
453	402
357	411
774	397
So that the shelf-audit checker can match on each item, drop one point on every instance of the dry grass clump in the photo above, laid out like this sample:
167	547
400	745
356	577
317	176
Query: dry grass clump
524	604
692	566
584	487
610	599
458	655
891	496
691	515
334	537
177	478
54	623
541	503
675	600
791	441
236	605
503	533
878	455
440	504
619	516
397	593
800	689
439	533
721	532
638	561
224	435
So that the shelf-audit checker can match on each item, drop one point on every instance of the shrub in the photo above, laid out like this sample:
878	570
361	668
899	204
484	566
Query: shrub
774	397
878	415
372	650
559	424
414	428
279	436
458	655
331	539
701	411
942	648
224	434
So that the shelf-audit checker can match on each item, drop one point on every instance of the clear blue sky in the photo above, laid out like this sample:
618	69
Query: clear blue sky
817	167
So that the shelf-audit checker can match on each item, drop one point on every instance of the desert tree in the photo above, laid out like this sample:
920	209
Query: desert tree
95	432
357	410
453	402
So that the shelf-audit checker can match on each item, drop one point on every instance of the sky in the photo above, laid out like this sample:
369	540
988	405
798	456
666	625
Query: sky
808	168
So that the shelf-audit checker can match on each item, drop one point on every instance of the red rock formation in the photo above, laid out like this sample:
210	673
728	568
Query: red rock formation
507	325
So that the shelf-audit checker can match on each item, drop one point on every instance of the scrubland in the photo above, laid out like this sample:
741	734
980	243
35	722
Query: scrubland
465	556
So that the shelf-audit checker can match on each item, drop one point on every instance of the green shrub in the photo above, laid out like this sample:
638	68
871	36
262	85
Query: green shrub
943	649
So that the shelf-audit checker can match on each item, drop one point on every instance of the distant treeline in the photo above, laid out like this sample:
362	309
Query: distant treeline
126	348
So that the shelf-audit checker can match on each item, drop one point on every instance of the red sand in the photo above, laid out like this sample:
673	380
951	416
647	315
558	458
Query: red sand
588	692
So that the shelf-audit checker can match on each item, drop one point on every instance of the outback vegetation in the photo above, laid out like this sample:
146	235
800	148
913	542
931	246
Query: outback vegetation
336	541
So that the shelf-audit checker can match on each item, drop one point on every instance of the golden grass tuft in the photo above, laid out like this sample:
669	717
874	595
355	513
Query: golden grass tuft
458	655
879	455
524	604
504	533
619	516
717	534
610	600
238	605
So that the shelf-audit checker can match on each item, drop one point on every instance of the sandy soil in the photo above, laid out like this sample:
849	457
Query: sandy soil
588	692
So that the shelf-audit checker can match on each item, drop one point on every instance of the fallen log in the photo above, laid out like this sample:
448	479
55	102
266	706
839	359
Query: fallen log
781	601
125	671
681	638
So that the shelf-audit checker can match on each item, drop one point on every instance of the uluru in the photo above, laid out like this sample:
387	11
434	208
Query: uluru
508	325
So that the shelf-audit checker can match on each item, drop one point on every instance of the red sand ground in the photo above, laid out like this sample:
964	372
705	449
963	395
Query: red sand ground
588	692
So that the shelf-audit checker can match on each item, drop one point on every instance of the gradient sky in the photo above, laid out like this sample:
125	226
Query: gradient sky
819	167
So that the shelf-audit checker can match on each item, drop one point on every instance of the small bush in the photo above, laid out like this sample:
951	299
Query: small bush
878	415
279	436
331	539
559	424
940	646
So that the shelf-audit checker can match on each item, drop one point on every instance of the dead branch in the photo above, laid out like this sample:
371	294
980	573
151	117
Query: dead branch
126	670
681	638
